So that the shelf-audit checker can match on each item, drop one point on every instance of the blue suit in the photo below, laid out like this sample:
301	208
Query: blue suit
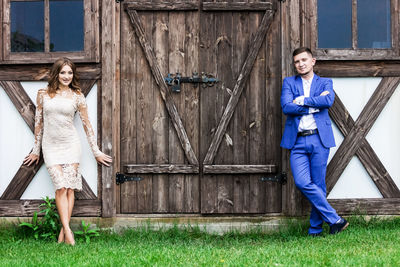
309	154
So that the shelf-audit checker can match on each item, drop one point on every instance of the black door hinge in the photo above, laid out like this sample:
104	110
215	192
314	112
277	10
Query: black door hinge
279	178
121	178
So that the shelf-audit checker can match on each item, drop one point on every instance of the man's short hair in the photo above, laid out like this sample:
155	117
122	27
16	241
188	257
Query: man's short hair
301	50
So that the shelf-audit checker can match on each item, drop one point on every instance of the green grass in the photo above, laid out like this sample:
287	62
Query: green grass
375	242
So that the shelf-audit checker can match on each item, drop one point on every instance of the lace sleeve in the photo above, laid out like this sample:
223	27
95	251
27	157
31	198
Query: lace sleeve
83	113
38	123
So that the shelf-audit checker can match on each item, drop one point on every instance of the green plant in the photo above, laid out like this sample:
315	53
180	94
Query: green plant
87	232
46	227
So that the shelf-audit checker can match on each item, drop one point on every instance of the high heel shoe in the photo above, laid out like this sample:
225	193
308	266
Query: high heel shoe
72	243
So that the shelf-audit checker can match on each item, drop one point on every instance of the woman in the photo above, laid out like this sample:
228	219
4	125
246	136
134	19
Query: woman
56	134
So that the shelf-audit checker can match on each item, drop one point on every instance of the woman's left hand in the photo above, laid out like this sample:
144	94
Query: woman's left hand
104	159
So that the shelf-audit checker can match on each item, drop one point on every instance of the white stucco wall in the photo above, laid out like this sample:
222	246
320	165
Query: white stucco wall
16	140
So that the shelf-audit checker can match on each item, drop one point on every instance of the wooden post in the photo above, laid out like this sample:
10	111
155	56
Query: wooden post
108	86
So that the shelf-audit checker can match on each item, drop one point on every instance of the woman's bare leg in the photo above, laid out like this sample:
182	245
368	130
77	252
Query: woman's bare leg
63	210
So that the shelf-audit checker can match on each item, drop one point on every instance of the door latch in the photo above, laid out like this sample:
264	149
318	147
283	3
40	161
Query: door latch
122	178
176	80
280	178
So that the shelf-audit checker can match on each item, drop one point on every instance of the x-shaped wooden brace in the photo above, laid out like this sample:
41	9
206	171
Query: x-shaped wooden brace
237	91
355	143
27	109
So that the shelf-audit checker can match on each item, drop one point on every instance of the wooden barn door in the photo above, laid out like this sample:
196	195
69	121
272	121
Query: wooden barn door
206	149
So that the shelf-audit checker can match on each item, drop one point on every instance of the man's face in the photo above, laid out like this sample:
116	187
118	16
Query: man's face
304	63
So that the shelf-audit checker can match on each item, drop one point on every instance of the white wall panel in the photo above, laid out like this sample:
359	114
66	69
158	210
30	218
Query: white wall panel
384	136
15	140
19	139
354	182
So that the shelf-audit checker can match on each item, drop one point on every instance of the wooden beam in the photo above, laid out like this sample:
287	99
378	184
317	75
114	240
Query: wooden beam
155	69
357	68
370	206
26	208
234	169
108	57
21	101
40	72
160	168
239	86
162	6
352	141
237	6
87	85
365	153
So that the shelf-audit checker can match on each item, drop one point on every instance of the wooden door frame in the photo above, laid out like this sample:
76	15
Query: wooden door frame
131	8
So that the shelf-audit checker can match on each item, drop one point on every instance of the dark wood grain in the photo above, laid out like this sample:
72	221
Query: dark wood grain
107	85
371	206
234	169
237	91
21	101
177	122
162	6
40	72
237	6
26	208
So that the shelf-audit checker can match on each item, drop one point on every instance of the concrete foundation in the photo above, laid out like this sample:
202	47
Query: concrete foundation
214	225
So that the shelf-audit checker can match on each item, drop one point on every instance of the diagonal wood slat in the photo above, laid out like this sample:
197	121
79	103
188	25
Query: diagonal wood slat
21	101
239	86
27	109
365	153
363	124
155	69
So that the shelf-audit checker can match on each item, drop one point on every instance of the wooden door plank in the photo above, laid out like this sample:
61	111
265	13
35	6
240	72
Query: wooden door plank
144	117
177	55
242	79
177	122
271	128
208	121
160	126
225	64
363	124
129	76
191	197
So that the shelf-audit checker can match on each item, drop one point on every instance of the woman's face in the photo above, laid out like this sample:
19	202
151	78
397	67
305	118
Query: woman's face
65	76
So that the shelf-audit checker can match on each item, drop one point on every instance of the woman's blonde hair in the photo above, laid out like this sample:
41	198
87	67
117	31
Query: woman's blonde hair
55	71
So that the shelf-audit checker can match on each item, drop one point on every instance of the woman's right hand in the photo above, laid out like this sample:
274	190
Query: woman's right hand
31	158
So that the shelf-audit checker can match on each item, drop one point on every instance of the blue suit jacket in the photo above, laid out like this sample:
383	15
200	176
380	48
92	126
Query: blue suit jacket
293	87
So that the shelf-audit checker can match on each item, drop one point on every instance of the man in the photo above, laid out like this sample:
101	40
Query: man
305	100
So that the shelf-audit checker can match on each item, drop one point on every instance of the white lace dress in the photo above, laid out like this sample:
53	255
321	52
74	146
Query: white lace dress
56	134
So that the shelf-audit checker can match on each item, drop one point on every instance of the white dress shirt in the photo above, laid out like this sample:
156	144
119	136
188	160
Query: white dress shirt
307	122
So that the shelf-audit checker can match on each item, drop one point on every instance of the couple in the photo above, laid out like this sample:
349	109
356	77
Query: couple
308	134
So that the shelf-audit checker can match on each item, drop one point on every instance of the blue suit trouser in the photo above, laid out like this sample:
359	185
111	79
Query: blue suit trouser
308	160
